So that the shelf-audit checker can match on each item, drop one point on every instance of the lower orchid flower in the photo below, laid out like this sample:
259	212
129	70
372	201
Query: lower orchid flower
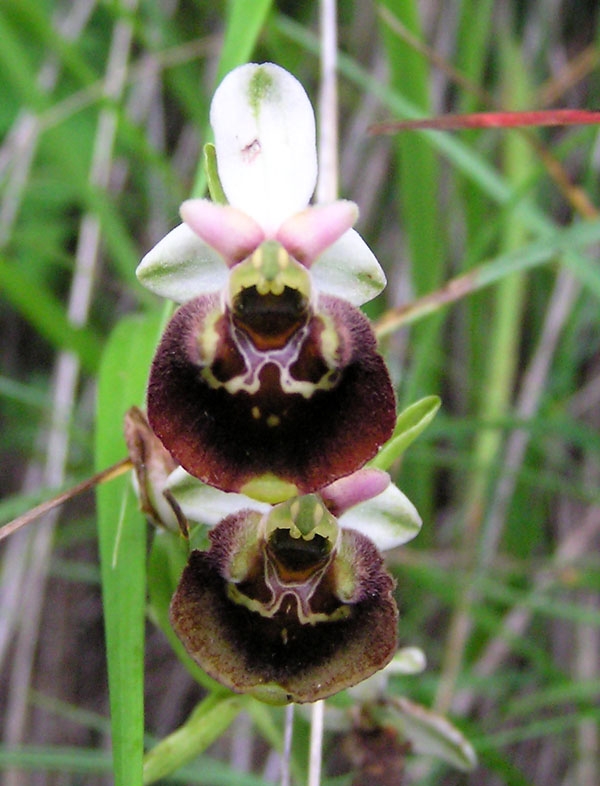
289	603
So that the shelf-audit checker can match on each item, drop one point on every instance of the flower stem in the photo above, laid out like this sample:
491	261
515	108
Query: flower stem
316	744
287	745
327	185
45	507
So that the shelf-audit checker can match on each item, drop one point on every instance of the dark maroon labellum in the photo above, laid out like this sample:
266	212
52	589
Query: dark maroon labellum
286	619
270	388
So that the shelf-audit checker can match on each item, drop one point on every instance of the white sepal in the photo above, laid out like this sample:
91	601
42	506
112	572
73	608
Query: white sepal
264	129
389	519
429	733
348	269
181	266
205	504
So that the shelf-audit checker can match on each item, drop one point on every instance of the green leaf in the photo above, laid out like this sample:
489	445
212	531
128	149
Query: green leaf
17	67
207	722
417	186
410	423
46	758
215	188
581	233
464	158
244	23
31	18
122	535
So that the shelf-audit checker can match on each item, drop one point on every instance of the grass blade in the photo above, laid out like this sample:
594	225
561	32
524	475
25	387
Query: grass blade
122	535
47	315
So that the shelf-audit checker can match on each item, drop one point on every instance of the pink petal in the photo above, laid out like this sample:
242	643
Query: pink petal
346	492
310	232
226	229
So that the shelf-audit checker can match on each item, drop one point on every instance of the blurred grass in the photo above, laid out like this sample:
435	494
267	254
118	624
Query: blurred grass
443	204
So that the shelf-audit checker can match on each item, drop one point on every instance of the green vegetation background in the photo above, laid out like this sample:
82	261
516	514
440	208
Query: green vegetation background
103	113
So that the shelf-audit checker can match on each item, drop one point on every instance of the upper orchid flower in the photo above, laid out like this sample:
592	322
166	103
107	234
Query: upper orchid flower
267	166
267	379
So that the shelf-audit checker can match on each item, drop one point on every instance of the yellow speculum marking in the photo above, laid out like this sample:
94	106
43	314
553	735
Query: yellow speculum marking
283	258
209	338
329	341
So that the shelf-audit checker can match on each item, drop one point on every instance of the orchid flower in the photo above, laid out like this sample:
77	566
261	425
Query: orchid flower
366	501
289	603
304	576
267	380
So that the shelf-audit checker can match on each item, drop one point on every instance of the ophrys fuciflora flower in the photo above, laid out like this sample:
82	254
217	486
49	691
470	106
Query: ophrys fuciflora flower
286	604
267	380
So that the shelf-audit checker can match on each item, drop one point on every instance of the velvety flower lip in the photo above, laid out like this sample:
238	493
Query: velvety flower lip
307	412
266	156
285	605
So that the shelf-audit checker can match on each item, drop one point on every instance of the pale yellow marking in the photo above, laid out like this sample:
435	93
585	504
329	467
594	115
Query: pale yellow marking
283	258
273	420
263	287
269	488
209	338
329	341
256	413
257	258
277	286
317	515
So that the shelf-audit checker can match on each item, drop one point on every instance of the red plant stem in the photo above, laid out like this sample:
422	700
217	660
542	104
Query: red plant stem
543	117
